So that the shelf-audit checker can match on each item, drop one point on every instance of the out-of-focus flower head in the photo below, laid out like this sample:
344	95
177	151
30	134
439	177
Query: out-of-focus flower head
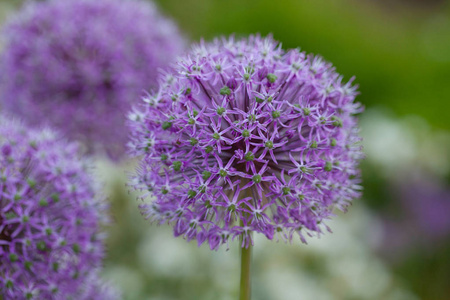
50	215
79	64
418	215
243	136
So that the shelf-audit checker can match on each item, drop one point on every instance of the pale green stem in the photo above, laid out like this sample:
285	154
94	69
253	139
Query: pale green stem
246	257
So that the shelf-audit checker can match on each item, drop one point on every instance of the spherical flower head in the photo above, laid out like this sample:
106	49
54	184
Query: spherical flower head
50	215
243	136
79	64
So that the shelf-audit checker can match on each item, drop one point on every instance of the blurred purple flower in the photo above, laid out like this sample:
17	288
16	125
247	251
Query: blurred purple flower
424	206
79	64
50	216
243	136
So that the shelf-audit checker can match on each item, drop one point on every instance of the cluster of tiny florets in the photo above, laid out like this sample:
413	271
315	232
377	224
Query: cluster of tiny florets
243	136
79	64
50	216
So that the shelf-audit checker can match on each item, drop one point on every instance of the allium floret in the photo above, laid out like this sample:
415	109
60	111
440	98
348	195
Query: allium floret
79	64
260	140
50	216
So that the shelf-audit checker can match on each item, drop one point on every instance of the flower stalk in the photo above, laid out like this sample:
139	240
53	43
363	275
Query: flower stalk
245	285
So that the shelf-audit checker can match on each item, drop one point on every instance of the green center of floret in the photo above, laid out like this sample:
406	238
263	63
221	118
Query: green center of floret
306	111
164	156
259	100
31	183
191	121
245	133
257	178
336	121
225	91
269	144
313	145
166	125
176	165
192	193
333	142
246	76
9	284
249	156
55	197
13	257
271	77
206	175
249	69
220	110
223	173
276	114
209	149
216	136
193	141
286	190
76	248
328	166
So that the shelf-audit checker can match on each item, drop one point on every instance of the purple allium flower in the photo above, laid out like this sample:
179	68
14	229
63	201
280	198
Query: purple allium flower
50	215
243	136
79	64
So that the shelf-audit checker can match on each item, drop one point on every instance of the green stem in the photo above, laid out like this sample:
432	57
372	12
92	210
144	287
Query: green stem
246	257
